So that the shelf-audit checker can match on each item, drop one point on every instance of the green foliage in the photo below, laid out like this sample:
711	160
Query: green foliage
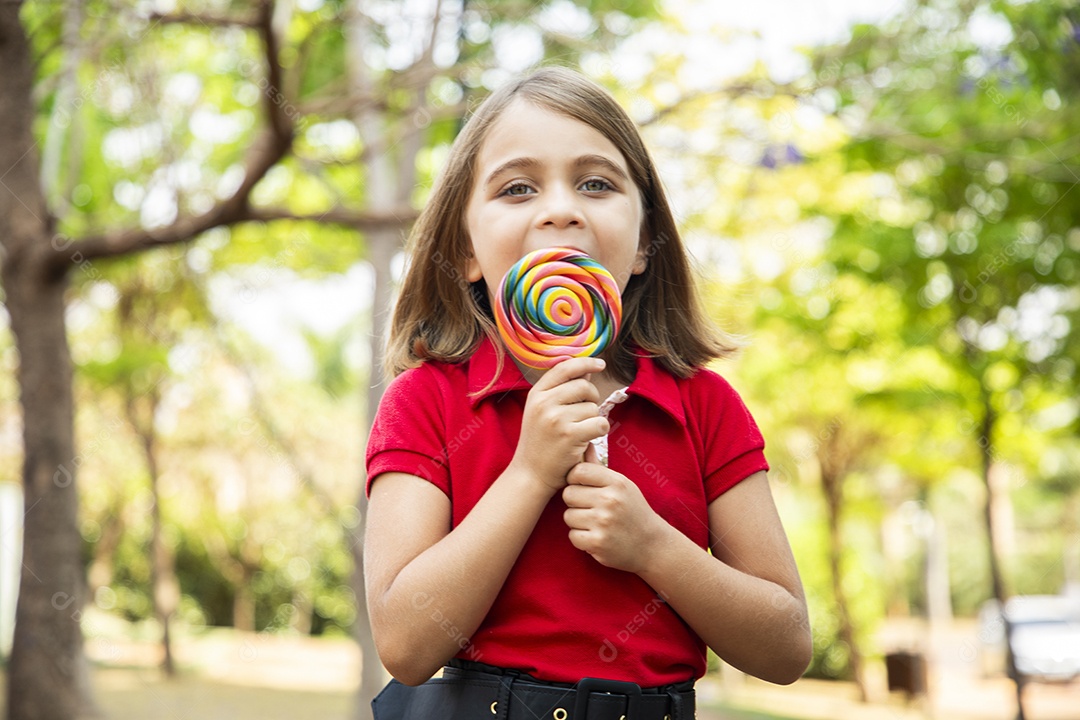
959	144
155	124
209	596
891	271
905	263
201	580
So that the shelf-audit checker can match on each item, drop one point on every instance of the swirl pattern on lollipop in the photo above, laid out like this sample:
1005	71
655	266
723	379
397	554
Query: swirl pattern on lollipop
556	303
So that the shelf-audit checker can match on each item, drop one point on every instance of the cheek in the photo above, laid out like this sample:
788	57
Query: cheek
636	225
483	226
470	220
473	271
634	215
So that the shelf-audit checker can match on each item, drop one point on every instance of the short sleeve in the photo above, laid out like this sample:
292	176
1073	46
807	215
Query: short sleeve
734	448
409	430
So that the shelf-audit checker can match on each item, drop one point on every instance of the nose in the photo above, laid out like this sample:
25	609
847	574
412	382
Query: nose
561	208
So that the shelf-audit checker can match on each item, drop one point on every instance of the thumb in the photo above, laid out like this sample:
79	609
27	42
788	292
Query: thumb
591	456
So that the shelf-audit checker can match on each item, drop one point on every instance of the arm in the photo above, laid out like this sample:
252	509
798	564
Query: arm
429	587
745	600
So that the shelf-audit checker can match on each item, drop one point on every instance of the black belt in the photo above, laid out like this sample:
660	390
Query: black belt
588	699
475	691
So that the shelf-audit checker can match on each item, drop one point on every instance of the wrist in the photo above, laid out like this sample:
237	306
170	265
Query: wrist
662	548
529	481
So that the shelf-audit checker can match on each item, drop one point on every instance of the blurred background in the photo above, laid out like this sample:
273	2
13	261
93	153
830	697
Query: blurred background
203	211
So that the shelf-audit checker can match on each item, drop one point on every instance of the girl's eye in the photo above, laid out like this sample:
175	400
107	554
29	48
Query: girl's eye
596	185
517	190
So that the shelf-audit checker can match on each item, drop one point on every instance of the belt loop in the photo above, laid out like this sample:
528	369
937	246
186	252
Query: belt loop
506	684
676	703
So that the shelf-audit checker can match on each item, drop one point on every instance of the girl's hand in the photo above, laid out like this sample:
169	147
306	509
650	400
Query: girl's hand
560	420
609	518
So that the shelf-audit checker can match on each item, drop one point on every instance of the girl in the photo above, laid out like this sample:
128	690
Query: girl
495	543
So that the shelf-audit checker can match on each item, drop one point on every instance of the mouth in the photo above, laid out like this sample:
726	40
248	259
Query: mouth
572	247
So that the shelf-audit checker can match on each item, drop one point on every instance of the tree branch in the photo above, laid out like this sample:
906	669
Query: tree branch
428	57
264	154
340	105
1056	170
734	90
274	99
267	150
208	21
368	220
278	438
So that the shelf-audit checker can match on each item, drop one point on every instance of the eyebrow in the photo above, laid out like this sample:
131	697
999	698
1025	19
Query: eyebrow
528	163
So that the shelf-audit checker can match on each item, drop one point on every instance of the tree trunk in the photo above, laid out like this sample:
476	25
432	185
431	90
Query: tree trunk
389	185
300	621
938	587
100	573
372	676
247	557
47	676
243	597
834	498
237	573
244	601
164	588
47	644
893	540
992	483
1071	557
997	580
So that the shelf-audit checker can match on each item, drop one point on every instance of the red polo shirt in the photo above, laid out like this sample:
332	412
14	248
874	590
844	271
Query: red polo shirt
561	615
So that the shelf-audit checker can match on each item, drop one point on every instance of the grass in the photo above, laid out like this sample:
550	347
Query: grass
224	674
244	676
724	713
134	694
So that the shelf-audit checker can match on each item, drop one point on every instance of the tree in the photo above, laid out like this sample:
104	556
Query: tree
295	83
816	367
46	668
140	373
959	134
50	586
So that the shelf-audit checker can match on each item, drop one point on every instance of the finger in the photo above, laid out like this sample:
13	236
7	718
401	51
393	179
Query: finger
581	413
584	412
579	496
581	426
592	455
581	539
589	428
576	518
569	369
576	391
591	474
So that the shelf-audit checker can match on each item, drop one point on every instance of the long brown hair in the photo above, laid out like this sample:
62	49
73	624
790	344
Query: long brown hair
440	315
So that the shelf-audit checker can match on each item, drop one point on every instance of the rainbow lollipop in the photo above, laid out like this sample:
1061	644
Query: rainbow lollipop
557	303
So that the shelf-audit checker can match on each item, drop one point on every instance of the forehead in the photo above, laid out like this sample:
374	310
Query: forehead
525	129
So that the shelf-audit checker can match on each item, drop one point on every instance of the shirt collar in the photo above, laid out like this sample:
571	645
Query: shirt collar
651	382
482	367
658	386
